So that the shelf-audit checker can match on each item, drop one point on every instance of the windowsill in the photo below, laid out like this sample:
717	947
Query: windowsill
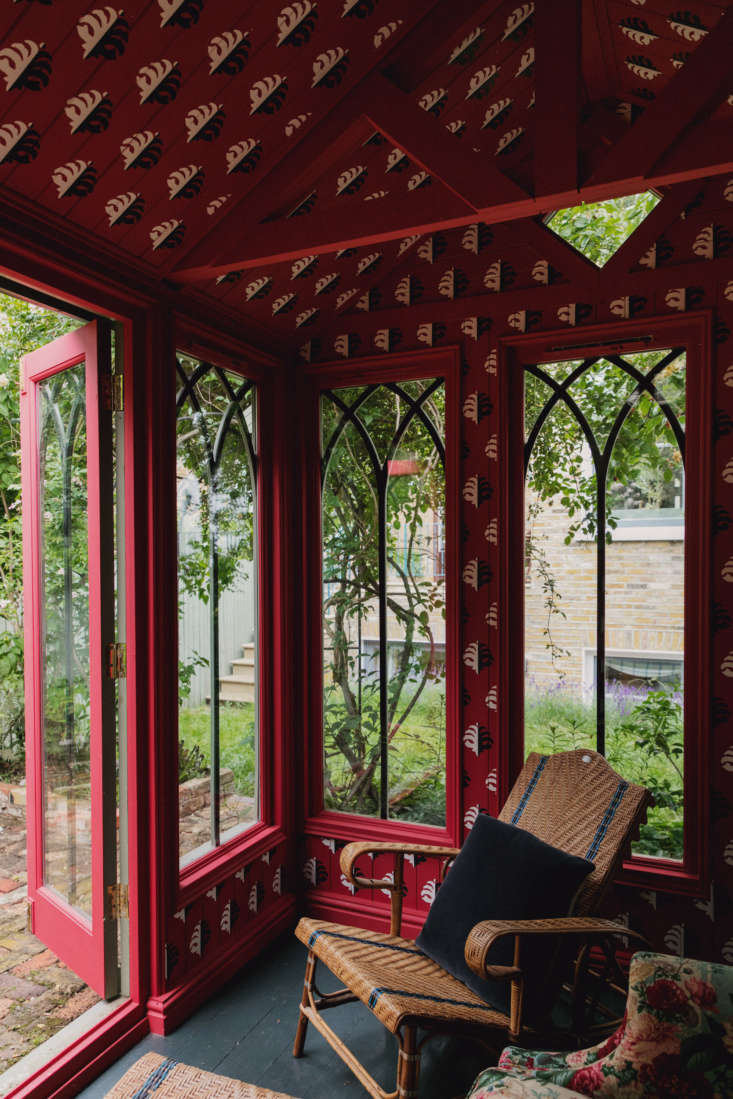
347	826
639	532
199	876
661	876
670	532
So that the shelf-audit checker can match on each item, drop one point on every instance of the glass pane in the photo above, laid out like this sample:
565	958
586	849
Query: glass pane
416	627
384	685
65	639
235	511
633	552
351	666
216	607
645	631
560	577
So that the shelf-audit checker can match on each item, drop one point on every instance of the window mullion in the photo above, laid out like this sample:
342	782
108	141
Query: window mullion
601	471
214	662
383	670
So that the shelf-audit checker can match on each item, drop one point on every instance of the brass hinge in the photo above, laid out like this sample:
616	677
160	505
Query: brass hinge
114	393
29	915
117	660
118	902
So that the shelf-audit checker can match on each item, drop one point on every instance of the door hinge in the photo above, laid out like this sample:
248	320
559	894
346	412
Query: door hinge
117	660
29	915
118	902
114	393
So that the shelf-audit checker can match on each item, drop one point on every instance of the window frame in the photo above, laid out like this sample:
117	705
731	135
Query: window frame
188	881
693	331
430	363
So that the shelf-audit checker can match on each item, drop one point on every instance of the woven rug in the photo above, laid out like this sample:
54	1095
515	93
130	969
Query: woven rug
157	1077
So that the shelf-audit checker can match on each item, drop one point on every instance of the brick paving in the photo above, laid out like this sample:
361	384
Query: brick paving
38	995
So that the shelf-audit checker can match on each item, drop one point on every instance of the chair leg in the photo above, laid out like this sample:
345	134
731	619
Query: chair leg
310	971
408	1064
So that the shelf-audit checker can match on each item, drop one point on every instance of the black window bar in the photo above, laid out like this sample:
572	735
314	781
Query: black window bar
349	415
231	418
601	460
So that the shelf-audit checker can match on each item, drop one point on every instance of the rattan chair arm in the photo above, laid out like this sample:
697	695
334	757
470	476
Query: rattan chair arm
483	936
353	851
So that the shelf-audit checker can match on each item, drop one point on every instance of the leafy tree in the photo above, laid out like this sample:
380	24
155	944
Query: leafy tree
23	328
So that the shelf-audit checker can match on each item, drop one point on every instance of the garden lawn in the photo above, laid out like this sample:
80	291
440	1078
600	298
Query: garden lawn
236	740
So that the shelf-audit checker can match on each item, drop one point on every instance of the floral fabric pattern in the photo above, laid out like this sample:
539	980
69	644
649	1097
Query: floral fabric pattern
676	1039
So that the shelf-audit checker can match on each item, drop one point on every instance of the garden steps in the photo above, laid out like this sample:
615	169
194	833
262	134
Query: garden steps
240	685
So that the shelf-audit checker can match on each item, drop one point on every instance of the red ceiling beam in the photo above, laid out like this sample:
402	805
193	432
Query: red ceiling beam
698	87
557	96
472	178
600	75
331	230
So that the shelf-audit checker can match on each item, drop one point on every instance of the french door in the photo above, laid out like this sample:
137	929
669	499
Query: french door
68	478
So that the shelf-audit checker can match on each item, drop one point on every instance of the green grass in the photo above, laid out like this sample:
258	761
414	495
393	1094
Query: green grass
557	720
236	739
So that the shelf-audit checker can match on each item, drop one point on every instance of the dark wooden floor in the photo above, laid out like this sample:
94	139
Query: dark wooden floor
247	1031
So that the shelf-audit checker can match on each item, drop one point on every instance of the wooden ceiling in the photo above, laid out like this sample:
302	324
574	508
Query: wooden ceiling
285	160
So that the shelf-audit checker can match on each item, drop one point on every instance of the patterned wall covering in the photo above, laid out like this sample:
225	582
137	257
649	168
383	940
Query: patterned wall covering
212	923
145	125
699	926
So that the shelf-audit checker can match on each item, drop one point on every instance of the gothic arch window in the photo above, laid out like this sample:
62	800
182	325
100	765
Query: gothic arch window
216	468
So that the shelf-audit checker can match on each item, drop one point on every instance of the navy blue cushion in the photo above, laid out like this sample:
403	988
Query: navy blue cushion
502	872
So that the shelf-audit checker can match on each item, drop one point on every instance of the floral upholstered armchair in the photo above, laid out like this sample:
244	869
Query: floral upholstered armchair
676	1040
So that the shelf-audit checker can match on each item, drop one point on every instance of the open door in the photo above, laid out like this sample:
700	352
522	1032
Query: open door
69	580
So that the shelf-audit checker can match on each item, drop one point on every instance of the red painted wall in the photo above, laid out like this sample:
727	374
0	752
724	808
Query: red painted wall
694	276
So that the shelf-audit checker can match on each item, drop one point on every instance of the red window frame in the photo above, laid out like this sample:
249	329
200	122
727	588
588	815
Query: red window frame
274	802
692	331
437	362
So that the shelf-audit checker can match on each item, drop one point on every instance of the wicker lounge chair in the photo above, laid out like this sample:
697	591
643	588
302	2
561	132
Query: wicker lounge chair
574	801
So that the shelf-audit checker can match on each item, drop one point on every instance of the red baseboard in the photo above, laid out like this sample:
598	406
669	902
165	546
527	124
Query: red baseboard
168	1011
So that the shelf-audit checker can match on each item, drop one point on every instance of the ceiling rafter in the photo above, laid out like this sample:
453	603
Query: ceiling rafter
290	238
699	86
321	137
557	96
472	179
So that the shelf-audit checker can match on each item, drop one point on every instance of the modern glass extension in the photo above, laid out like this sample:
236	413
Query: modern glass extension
604	570
216	467
383	602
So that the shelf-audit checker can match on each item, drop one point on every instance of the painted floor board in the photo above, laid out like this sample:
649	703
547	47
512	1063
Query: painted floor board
246	1031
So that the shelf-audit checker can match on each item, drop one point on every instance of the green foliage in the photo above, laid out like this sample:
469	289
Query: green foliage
23	328
186	671
644	743
599	229
236	741
191	762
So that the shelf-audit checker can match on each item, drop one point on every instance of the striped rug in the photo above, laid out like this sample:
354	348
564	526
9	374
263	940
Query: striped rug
158	1077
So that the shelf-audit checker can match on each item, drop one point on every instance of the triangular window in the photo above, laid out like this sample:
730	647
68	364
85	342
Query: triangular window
598	229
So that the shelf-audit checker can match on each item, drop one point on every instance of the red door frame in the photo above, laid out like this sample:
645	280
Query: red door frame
430	363
86	946
693	330
33	273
